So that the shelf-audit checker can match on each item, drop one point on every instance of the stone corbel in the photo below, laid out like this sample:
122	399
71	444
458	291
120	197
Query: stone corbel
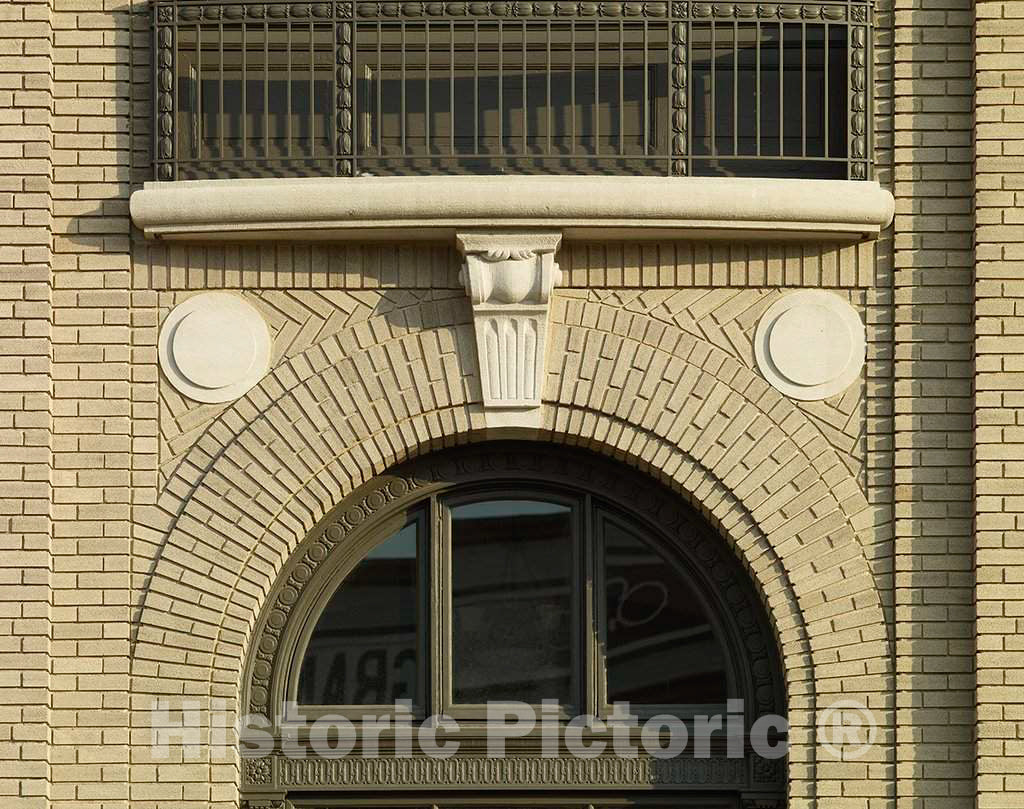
509	277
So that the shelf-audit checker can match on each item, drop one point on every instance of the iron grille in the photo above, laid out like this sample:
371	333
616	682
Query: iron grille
673	88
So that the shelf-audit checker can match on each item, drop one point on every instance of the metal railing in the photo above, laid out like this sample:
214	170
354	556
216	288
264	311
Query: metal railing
553	87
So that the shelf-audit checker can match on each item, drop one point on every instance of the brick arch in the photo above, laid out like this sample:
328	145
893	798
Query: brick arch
325	422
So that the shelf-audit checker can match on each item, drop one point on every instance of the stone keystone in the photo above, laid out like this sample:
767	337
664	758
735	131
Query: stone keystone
509	277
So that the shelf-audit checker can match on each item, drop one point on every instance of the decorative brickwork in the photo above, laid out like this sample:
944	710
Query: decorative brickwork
298	320
585	265
727	318
717	264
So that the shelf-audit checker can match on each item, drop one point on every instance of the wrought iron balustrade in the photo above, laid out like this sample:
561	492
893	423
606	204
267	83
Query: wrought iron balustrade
551	87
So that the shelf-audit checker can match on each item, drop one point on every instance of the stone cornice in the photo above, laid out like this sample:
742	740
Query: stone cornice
437	207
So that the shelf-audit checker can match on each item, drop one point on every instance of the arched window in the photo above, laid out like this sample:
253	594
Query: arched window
526	584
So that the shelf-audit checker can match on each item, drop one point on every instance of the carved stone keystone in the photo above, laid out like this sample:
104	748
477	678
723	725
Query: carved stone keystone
509	277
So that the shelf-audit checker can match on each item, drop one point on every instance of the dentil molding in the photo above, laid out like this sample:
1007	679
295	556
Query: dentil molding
509	277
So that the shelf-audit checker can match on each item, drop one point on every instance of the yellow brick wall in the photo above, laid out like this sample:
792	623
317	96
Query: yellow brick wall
91	378
26	439
933	100
999	402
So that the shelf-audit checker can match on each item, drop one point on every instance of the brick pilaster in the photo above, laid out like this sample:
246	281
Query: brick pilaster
932	402
999	402
26	99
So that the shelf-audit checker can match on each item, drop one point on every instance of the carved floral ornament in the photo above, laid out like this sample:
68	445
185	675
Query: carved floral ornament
234	12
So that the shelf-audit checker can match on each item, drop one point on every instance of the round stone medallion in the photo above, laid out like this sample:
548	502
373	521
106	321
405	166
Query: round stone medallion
210	363
810	344
214	347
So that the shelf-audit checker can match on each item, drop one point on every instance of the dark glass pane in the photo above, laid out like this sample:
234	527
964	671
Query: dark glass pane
793	90
210	77
231	75
363	650
770	167
512	601
256	95
661	648
837	102
746	102
723	89
770	88
814	103
255	100
702	108
519	96
746	84
530	96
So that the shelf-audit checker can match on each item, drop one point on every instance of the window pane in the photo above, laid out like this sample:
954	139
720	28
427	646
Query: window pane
512	604
768	99
363	650
837	105
701	112
792	89
518	96
661	648
814	93
255	99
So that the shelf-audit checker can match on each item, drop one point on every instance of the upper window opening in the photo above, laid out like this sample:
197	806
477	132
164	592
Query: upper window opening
769	99
255	90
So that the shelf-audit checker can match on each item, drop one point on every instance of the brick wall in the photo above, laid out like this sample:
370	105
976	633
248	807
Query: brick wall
91	417
26	98
999	403
932	403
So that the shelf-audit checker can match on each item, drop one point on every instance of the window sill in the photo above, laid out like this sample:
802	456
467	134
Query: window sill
582	207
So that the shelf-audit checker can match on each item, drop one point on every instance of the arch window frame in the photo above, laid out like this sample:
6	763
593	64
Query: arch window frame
374	510
470	495
325	586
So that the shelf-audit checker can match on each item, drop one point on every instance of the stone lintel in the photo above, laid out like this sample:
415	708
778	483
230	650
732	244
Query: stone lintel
580	207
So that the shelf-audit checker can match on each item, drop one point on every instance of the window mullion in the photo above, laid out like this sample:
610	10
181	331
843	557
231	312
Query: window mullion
592	664
439	611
